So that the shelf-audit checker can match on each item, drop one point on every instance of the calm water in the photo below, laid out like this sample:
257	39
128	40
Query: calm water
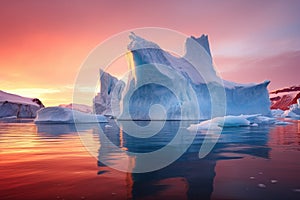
50	162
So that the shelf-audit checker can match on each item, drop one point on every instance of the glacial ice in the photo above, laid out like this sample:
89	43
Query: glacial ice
103	100
293	111
185	87
12	105
58	114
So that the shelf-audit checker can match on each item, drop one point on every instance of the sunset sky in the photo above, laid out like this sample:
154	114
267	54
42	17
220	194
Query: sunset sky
43	43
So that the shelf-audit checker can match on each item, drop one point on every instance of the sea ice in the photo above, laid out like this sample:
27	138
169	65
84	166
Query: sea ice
235	121
218	122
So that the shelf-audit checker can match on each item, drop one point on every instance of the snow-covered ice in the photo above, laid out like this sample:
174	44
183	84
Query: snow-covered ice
57	114
12	105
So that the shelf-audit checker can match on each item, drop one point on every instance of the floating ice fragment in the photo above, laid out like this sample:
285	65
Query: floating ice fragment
218	122
274	181
282	123
262	185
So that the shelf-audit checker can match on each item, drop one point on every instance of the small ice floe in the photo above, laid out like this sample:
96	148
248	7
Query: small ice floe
277	113
259	119
261	185
107	126
236	121
290	114
282	123
218	122
252	177
273	181
260	173
296	190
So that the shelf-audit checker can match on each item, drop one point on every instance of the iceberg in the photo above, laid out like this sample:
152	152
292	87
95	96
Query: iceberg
103	100
16	106
290	114
58	114
161	86
283	98
293	111
295	108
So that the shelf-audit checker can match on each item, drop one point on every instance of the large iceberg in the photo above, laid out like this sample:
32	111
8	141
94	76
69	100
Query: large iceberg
58	114
12	105
182	86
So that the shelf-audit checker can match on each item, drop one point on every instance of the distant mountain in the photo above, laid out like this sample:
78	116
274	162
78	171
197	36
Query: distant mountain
284	97
12	105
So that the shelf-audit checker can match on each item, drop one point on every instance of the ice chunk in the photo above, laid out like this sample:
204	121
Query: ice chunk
216	123
290	114
261	185
66	115
274	181
235	121
277	113
282	123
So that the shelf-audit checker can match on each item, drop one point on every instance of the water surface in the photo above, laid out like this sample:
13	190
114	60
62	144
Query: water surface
50	162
